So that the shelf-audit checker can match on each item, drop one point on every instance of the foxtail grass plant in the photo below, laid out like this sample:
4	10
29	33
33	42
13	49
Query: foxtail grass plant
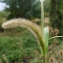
33	28
41	33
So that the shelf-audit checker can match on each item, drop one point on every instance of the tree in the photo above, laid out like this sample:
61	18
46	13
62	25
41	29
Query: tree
56	14
21	8
47	5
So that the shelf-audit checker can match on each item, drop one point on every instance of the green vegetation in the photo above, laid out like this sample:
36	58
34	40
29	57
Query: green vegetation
22	47
16	47
27	9
56	14
22	8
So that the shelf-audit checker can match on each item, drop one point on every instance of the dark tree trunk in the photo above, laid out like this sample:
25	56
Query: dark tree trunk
56	13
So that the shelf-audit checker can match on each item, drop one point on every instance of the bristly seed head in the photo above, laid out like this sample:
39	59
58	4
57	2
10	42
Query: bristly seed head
20	22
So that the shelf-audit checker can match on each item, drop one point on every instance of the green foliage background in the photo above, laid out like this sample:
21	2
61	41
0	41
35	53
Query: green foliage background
56	14
16	48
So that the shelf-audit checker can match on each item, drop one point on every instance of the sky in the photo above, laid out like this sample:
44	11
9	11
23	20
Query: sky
2	6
